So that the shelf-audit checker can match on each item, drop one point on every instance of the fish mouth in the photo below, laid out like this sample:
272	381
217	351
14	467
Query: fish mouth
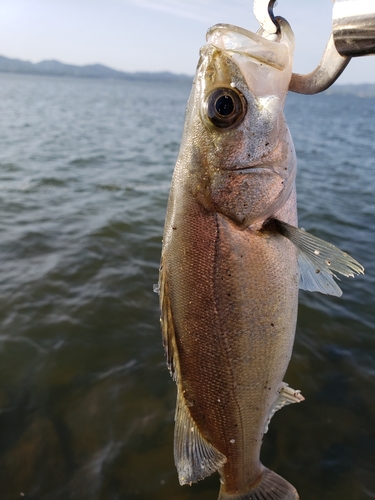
267	170
254	169
257	168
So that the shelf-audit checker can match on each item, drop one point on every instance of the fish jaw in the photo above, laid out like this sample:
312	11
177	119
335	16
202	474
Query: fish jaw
255	155
250	196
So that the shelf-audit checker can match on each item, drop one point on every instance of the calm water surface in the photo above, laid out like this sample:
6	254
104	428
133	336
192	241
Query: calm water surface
86	402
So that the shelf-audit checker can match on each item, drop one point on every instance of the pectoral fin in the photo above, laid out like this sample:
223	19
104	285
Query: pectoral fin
318	260
286	396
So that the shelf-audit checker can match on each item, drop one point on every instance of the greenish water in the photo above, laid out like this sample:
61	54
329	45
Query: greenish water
86	402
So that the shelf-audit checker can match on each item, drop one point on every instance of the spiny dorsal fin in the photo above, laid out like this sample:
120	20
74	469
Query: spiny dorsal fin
286	396
318	260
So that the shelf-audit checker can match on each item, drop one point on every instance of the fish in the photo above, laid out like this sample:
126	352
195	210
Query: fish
233	260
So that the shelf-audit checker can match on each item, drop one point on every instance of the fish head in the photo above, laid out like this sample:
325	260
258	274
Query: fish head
241	158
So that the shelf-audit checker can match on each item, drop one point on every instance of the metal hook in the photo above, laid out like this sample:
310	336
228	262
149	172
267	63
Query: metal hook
263	12
324	75
353	27
353	35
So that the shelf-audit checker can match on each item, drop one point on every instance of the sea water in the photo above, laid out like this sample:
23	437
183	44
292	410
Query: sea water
86	401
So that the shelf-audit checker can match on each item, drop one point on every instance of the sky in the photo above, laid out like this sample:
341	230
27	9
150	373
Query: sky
155	35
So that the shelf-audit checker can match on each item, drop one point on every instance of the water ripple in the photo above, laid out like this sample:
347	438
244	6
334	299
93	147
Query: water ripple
86	403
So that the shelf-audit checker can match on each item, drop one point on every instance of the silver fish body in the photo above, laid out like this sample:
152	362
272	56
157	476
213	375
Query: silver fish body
228	279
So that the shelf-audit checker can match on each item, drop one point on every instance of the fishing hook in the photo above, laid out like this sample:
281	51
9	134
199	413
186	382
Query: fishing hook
263	12
353	35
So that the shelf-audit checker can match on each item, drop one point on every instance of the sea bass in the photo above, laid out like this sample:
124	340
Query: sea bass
233	260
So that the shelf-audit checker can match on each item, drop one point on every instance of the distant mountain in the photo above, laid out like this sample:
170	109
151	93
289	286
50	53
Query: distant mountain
360	90
56	68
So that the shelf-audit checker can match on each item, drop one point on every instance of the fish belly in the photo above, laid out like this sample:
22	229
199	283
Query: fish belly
232	296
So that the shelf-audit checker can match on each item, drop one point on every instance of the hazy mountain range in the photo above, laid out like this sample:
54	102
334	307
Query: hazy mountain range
358	89
56	68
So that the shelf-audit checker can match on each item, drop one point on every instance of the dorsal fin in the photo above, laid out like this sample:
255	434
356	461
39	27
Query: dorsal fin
195	457
167	323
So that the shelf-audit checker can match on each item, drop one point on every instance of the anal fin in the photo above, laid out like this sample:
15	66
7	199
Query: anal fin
195	458
270	486
286	396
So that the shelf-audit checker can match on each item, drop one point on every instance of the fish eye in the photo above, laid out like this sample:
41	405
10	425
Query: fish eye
225	107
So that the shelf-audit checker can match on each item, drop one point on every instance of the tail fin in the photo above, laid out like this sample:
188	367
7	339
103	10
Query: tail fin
271	486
